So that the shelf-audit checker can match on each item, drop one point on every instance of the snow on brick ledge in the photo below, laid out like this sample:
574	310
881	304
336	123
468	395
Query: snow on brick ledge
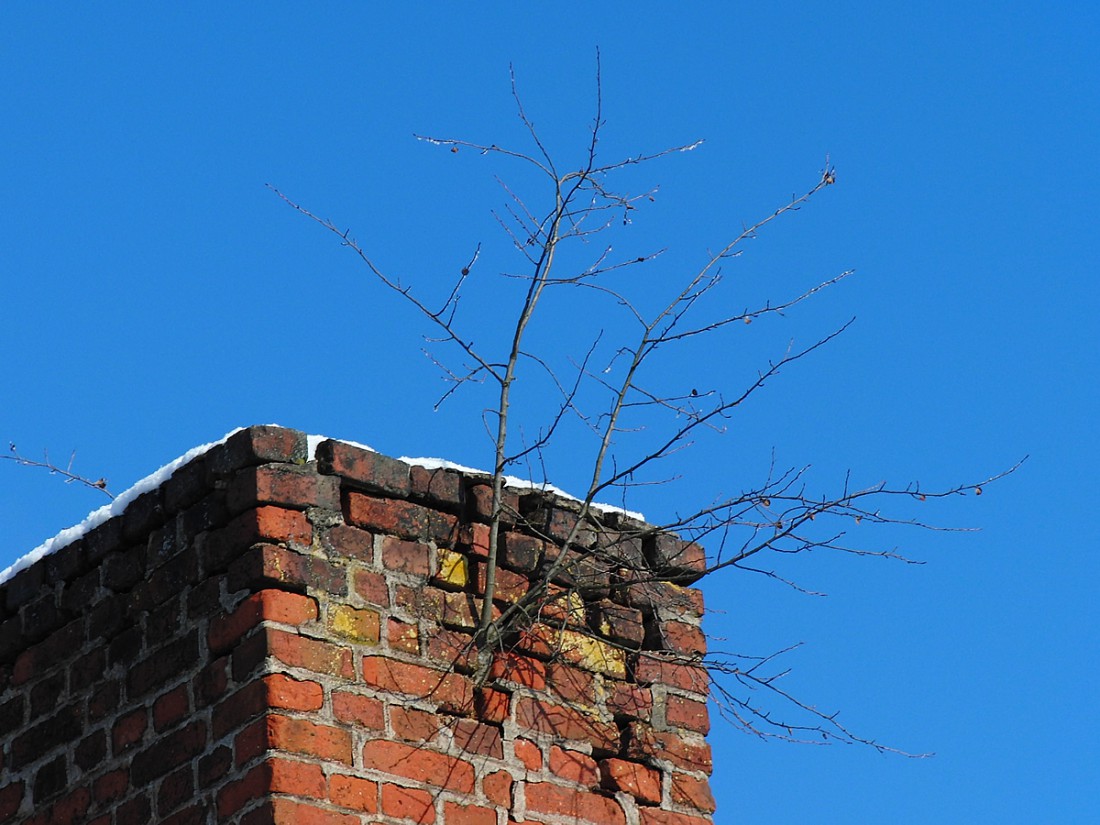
277	629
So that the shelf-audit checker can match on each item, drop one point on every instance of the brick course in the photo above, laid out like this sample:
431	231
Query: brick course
268	639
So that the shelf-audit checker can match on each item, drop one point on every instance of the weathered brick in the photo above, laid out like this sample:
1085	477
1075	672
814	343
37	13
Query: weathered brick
648	669
280	811
574	766
354	708
372	470
402	519
688	790
689	752
311	654
415	725
349	542
476	737
256	445
439	486
523	670
657	816
269	566
567	723
455	813
545	797
409	557
643	783
678	637
686	713
283	484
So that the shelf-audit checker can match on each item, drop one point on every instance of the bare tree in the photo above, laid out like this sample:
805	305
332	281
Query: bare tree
65	472
611	389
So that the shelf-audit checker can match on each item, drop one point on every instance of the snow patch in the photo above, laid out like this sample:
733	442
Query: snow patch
108	511
156	479
517	483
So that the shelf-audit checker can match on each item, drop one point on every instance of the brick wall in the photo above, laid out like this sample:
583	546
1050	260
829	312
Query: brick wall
270	639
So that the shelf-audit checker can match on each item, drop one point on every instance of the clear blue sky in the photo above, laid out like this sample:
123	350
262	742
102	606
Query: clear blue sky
156	295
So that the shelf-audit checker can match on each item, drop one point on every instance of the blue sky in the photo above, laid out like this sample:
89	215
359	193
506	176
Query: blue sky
156	295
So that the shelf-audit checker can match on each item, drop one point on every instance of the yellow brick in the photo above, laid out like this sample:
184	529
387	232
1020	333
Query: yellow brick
592	654
357	625
453	568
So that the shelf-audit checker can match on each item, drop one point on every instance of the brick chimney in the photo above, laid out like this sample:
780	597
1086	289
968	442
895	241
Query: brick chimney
274	637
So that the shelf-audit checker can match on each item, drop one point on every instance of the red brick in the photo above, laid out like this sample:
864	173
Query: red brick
129	730
655	816
650	669
528	753
509	586
350	542
415	725
272	776
419	764
462	814
358	710
408	803
692	792
169	751
266	605
176	789
519	669
439	485
497	787
282	484
410	557
294	735
686	713
373	470
452	648
643	783
574	767
565	722
171	708
399	518
305	737
293	694
492	705
475	737
353	792
629	701
402	636
570	683
272	566
111	786
11	797
288	812
450	690
273	691
566	802
372	587
278	524
684	639
310	654
475	538
645	743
